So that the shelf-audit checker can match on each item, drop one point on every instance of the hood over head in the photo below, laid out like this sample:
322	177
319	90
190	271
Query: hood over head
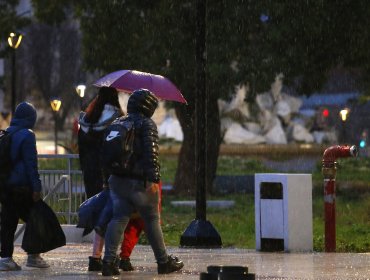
142	101
25	115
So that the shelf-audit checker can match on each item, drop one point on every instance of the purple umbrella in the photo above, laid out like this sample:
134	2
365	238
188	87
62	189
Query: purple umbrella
130	80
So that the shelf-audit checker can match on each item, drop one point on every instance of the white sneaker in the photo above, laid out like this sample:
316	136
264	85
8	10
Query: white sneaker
36	261
8	264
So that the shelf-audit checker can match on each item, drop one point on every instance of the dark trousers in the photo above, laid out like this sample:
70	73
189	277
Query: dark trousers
15	205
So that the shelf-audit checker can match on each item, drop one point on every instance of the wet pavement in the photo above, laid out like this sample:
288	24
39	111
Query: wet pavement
70	262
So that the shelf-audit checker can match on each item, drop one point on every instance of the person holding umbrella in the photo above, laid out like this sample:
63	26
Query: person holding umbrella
100	113
138	190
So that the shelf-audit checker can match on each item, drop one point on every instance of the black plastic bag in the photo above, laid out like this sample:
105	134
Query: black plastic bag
43	231
90	209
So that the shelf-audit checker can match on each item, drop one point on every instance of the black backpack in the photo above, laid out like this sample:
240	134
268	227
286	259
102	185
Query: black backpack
5	159
117	153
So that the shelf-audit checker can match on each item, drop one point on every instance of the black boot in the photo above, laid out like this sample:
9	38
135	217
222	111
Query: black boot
172	264
95	264
110	268
126	265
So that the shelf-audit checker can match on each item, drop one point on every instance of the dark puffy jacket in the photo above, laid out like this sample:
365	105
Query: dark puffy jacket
90	136
90	139
140	107
23	149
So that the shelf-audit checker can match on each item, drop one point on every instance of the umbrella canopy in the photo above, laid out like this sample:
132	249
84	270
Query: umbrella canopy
130	80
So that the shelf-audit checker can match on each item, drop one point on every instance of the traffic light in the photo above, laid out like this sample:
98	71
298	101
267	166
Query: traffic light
324	118
325	113
363	143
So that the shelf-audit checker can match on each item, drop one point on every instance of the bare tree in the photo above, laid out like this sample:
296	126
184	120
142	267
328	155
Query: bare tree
53	63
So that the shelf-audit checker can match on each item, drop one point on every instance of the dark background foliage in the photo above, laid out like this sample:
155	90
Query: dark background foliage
247	42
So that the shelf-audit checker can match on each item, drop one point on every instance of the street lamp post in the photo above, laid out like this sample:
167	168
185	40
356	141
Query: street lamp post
201	233
80	89
55	106
344	115
14	41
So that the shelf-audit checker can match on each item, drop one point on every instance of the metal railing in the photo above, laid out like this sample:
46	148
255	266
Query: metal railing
62	185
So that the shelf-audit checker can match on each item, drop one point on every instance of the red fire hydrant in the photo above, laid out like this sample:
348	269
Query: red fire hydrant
329	170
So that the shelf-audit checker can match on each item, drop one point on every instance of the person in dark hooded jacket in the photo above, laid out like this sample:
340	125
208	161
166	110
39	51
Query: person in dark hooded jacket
138	191
100	113
23	186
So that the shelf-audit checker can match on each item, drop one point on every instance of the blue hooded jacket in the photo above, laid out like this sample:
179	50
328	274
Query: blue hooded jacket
23	149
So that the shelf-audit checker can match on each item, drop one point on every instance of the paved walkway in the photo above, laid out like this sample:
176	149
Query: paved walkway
70	262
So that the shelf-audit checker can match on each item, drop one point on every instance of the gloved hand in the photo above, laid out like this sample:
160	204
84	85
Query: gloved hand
36	196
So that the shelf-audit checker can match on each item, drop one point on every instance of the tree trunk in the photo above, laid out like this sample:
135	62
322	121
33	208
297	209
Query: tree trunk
186	173
213	141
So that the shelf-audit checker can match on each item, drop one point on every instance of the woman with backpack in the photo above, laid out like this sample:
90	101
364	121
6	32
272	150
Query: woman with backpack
99	114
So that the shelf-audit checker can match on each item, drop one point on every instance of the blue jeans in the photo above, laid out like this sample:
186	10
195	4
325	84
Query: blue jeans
127	196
